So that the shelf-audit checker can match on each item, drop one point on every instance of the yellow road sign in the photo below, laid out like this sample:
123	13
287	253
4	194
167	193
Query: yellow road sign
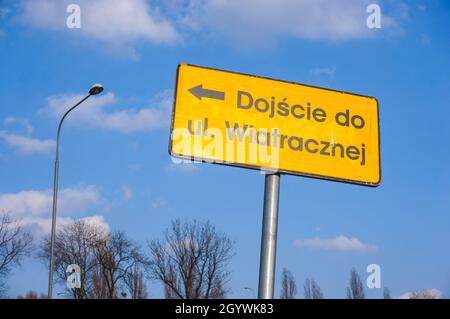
255	122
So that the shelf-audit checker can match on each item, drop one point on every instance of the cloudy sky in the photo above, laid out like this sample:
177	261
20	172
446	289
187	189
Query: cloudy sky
115	168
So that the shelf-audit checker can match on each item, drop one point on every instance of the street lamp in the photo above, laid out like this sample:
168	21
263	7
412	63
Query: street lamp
94	90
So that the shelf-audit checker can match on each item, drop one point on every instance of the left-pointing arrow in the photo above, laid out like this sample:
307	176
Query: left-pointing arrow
199	92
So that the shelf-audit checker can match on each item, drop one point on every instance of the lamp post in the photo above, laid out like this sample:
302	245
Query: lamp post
95	89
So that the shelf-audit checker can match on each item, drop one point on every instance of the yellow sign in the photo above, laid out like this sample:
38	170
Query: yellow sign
255	122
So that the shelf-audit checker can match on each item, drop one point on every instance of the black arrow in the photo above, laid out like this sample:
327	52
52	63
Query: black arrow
199	92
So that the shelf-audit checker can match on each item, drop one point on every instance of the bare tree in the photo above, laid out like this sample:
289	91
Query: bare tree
288	285
15	243
312	290
106	260
134	281
191	261
117	257
171	277
386	293
356	289
32	295
75	244
99	288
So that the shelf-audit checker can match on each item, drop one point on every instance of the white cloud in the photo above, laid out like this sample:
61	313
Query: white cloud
42	226
120	24
34	207
425	294
261	22
27	145
127	192
95	112
34	203
339	243
183	167
112	22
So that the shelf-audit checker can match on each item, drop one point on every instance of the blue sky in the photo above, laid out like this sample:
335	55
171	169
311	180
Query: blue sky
114	160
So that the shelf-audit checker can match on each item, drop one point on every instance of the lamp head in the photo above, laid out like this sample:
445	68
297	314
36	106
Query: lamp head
96	89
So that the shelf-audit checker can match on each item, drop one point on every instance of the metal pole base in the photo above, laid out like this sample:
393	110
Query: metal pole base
269	236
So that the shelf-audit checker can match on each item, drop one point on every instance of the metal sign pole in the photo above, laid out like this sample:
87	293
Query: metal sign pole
269	236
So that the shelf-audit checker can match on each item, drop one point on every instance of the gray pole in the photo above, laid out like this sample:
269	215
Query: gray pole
55	200
269	236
